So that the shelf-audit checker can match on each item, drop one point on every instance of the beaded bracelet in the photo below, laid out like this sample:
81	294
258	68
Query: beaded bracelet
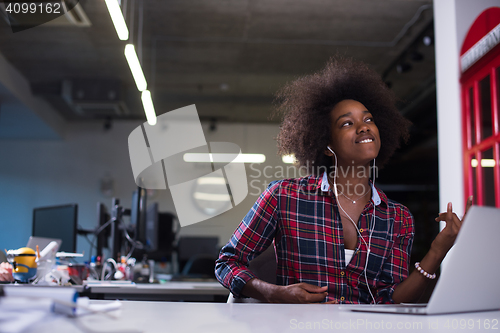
421	270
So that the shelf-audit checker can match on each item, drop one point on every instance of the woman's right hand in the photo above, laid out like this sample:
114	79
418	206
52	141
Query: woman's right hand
6	272
294	293
300	293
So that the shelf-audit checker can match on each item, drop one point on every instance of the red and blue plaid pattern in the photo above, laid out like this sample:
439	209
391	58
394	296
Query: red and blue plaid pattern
305	224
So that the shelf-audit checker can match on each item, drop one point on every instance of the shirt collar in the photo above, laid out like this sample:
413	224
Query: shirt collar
325	187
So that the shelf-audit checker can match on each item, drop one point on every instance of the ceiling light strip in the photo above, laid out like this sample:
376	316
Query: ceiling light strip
211	197
135	67
224	158
149	108
117	17
211	181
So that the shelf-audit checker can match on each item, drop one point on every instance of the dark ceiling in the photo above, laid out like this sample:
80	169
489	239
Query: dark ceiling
227	57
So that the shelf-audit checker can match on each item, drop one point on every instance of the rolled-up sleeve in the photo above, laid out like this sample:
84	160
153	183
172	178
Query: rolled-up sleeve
253	236
395	269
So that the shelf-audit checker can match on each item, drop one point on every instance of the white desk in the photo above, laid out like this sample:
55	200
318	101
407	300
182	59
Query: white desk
170	291
162	317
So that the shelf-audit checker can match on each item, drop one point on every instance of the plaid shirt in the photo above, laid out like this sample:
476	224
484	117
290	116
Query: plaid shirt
304	222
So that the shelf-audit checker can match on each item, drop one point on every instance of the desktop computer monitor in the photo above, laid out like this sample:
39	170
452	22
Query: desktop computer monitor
160	234
152	229
138	214
102	238
152	218
57	222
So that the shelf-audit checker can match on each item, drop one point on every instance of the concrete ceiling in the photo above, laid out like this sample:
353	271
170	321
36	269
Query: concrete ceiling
227	57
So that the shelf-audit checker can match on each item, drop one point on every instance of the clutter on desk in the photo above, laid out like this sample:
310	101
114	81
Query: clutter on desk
144	271
42	268
140	232
23	263
64	255
111	270
22	306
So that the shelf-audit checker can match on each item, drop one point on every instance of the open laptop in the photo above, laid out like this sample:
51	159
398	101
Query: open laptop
469	277
42	242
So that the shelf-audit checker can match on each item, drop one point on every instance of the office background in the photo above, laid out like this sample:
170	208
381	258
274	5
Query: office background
228	59
52	172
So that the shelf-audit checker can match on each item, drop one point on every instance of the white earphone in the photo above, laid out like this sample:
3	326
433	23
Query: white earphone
354	223
335	176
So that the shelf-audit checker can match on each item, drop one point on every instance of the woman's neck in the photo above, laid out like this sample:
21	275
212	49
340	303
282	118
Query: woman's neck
352	180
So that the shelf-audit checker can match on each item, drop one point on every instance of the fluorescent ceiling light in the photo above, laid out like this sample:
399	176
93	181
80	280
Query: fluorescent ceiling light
135	67
117	17
211	197
485	163
289	159
224	158
149	108
211	181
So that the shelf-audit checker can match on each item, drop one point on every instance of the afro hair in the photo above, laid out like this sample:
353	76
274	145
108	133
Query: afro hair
305	105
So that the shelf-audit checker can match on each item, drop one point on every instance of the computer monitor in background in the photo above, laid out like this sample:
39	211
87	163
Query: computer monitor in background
57	222
160	234
103	217
190	247
152	217
166	233
138	214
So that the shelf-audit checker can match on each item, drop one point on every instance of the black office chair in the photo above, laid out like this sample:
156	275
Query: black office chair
191	248
264	267
200	265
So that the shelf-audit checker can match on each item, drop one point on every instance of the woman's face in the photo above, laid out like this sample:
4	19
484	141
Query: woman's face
354	138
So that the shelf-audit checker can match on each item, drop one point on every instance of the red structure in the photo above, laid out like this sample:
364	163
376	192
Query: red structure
480	84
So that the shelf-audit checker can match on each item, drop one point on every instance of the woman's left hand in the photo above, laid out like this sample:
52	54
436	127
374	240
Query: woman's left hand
446	238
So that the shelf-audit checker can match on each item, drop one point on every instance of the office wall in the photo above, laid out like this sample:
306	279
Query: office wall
448	105
36	173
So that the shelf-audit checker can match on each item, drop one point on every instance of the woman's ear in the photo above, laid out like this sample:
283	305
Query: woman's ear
328	151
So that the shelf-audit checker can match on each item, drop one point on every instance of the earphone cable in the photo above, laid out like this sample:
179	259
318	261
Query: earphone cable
359	233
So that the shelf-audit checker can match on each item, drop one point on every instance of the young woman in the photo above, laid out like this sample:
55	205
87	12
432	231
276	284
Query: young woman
338	239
